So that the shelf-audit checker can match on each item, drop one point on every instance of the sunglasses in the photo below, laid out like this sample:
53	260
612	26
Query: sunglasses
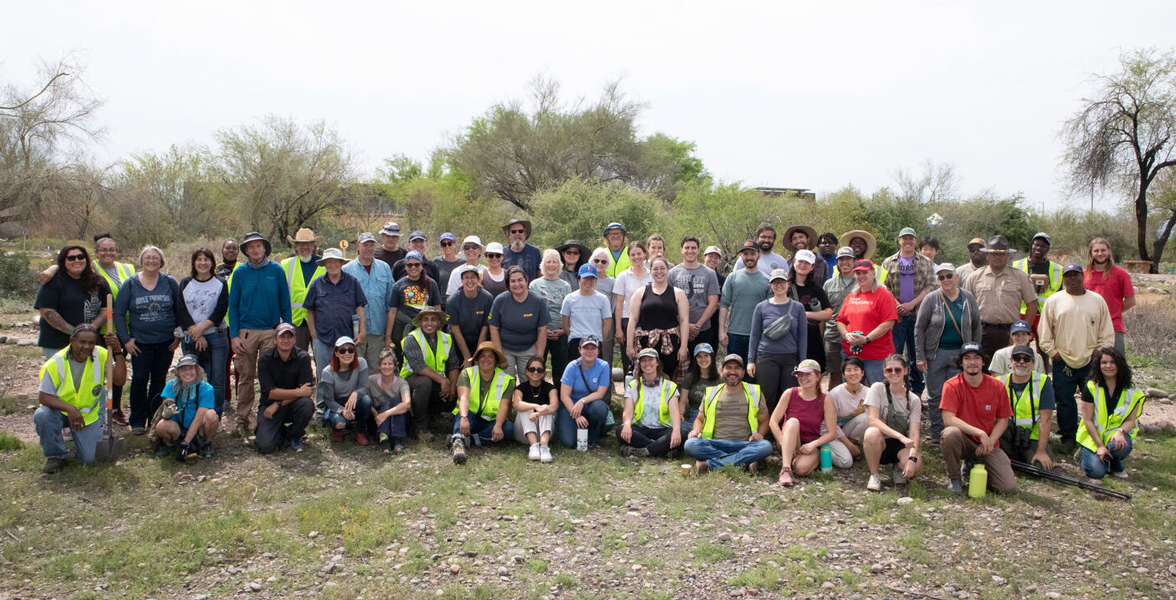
412	265
892	370
75	257
1022	358
493	256
446	244
601	261
573	252
947	276
538	370
345	350
518	231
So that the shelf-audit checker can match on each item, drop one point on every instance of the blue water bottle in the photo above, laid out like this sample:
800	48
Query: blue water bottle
826	459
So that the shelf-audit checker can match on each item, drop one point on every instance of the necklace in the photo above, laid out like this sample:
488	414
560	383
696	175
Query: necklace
535	394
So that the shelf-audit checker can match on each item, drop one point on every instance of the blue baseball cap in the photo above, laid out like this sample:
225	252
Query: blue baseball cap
1071	268
1021	326
587	270
704	347
590	340
448	237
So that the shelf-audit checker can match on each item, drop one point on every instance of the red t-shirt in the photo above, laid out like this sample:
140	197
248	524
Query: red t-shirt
1113	288
979	406
864	311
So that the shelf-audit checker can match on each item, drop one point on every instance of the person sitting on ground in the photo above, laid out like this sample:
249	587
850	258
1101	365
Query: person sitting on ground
1032	399
484	393
652	421
796	423
975	414
732	423
72	396
1020	334
585	389
703	375
391	401
1110	415
286	377
895	417
343	397
431	363
849	400
535	403
195	422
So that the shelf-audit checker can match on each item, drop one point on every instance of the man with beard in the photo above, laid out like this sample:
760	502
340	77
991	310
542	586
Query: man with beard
1111	282
731	423
975	413
977	257
765	238
702	289
1031	396
802	237
741	292
519	252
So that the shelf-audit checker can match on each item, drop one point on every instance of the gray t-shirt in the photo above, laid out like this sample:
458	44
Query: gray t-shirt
518	323
383	400
334	386
553	294
75	371
699	283
741	292
587	313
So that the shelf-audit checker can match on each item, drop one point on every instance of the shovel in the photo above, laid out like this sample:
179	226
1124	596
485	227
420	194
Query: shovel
110	447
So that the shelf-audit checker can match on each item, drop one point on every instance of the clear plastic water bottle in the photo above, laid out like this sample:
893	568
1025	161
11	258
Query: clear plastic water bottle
355	328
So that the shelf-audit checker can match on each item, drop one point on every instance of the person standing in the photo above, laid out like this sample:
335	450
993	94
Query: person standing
659	319
1109	281
975	412
331	302
742	292
1044	274
802	237
585	312
778	340
915	279
229	253
471	248
618	251
114	272
929	247
836	288
865	320
494	277
628	282
702	291
827	251
410	294
518	251
712	257
448	261
765	238
604	285
301	270
1000	292
806	290
206	301
390	251
575	255
553	289
469	314
518	323
259	299
74	295
976	259
732	424
287	393
948	318
1074	326
375	280
417	242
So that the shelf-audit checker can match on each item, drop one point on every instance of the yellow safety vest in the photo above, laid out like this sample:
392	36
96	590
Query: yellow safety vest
493	400
1108	424
298	287
124	272
750	390
1025	409
1055	281
619	264
668	389
86	397
434	360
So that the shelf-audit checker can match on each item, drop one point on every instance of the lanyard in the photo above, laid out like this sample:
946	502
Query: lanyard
1013	399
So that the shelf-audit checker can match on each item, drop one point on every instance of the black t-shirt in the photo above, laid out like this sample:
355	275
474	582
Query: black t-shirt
390	256
536	395
811	296
64	294
1112	398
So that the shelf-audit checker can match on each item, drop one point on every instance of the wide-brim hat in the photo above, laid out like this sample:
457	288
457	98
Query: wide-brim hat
488	345
998	244
305	235
331	254
584	251
808	231
430	310
254	236
871	242
525	223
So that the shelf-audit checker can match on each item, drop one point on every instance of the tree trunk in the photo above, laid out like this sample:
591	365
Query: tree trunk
1161	241
1141	220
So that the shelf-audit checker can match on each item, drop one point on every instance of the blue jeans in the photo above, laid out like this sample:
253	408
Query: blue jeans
565	426
1097	469
149	374
1064	386
364	422
904	342
49	423
481	429
214	367
323	352
736	344
717	453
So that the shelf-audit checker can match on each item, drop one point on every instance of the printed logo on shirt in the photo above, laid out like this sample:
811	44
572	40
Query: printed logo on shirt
528	315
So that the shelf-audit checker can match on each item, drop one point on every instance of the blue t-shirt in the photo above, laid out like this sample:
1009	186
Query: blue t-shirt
200	397
597	375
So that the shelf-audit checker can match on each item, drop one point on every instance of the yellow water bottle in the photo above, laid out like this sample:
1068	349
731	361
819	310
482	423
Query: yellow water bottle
978	482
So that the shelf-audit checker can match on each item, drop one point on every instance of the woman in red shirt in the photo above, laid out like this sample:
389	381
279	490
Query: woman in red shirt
866	316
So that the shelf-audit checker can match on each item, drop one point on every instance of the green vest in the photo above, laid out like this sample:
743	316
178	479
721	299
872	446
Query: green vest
493	399
668	389
298	287
124	272
1055	281
880	273
435	360
619	264
1025	409
750	390
86	397
1108	424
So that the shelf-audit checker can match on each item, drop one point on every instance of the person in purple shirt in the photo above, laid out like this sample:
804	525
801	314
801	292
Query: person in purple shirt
911	277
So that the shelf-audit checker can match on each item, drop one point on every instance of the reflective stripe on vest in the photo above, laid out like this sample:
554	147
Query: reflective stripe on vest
1108	423
493	400
667	388
750	390
433	360
1023	415
87	397
124	272
620	264
298	287
1055	280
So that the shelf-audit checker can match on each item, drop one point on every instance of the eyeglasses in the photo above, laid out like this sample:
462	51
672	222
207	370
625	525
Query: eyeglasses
75	257
518	231
1022	358
892	370
412	265
601	261
345	350
536	370
446	244
947	276
493	256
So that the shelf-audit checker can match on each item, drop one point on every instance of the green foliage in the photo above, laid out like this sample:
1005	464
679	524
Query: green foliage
580	209
983	217
17	278
1072	230
10	442
723	215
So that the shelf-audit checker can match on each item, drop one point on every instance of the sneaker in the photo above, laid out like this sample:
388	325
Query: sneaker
544	454
955	486
118	417
533	453
139	430
785	477
297	446
337	436
459	454
53	465
896	476
399	446
875	483
360	439
1119	474
206	450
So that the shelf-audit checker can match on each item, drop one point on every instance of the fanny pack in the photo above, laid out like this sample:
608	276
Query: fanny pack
779	328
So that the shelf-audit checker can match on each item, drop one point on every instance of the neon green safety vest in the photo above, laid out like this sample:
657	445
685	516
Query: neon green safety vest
1108	424
1025	409
619	264
298	287
434	360
86	397
750	390
493	399
1055	281
124	272
880	273
668	389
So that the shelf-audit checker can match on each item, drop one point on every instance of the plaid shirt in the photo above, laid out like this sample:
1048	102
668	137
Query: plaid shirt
924	274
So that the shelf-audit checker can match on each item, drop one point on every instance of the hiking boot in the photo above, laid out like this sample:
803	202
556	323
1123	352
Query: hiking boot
139	430
459	453
361	439
753	468
118	417
53	465
701	467
955	486
337	436
874	484
164	450
398	445
297	446
632	452
206	450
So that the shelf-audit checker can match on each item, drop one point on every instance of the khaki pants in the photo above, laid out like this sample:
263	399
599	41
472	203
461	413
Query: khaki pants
256	341
955	446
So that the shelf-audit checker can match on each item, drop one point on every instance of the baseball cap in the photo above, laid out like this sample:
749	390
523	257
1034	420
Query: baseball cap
586	270
732	357
472	239
589	340
462	270
971	347
367	237
284	328
749	245
712	250
493	248
187	360
777	274
907	231
448	237
976	242
647	352
703	347
807	365
1023	351
863	265
944	267
1043	235
807	256
343	341
1071	268
1021	326
417	235
845	252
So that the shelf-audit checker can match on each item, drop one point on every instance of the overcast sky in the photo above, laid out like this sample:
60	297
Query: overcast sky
812	95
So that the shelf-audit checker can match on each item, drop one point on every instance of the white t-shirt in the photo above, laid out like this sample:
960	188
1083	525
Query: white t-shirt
627	283
200	297
910	406
845	403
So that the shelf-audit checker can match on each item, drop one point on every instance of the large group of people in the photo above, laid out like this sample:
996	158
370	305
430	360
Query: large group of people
725	367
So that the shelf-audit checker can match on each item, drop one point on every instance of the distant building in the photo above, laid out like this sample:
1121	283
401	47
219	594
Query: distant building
802	193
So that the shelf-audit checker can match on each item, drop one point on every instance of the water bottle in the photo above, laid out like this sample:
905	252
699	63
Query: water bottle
582	440
826	459
978	482
355	328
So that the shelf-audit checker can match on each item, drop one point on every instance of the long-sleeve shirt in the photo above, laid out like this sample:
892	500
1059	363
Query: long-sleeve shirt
414	355
377	288
153	314
335	386
259	297
795	342
1074	326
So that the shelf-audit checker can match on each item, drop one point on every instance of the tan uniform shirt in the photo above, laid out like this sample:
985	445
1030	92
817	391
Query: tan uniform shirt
1073	326
1000	296
963	271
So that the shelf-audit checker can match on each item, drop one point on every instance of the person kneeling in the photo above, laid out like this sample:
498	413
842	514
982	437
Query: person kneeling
391	403
343	394
732	423
895	418
195	421
796	422
286	377
1110	412
535	404
1032	399
480	413
659	429
975	414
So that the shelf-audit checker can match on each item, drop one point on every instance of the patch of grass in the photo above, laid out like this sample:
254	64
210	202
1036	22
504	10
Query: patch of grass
708	552
537	566
566	581
9	441
764	577
8	406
